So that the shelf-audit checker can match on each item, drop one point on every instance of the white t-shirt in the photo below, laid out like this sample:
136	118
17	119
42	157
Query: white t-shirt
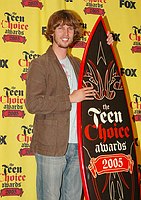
68	68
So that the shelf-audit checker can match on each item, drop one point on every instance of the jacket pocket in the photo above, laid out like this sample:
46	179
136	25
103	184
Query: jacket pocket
47	132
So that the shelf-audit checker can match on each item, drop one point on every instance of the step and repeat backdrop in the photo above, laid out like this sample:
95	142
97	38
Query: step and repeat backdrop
22	25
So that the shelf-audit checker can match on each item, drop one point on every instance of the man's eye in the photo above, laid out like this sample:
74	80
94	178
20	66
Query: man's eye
71	28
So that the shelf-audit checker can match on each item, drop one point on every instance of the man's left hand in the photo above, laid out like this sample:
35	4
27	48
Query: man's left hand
109	39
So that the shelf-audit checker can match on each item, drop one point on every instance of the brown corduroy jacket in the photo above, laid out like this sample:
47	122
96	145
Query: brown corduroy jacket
47	96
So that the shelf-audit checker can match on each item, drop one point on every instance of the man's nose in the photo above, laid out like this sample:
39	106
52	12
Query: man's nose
66	31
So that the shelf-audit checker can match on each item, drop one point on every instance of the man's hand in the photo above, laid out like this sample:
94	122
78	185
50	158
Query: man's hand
109	38
86	93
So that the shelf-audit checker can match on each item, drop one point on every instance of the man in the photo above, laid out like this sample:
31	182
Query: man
52	94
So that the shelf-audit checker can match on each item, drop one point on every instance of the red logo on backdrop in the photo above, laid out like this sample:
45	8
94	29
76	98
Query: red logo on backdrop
11	192
13	113
136	49
135	36
94	7
94	11
14	38
11	178
23	76
32	3
136	107
25	139
79	44
15	28
12	101
85	34
25	152
24	62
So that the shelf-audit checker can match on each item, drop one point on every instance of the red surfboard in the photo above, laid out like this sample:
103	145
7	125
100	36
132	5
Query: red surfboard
105	133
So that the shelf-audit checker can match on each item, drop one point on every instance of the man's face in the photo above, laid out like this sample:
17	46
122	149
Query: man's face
63	36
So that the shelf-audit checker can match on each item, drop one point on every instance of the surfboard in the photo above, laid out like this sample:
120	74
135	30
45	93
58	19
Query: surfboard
106	141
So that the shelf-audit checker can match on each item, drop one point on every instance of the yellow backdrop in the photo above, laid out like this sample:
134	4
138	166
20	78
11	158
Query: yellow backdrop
22	24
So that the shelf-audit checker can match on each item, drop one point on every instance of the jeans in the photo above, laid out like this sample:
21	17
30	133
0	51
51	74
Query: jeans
58	178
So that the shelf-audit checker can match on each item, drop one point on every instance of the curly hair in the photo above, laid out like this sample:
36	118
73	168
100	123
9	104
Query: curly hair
65	17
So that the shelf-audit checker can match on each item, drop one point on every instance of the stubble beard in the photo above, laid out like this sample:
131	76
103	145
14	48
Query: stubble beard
63	45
